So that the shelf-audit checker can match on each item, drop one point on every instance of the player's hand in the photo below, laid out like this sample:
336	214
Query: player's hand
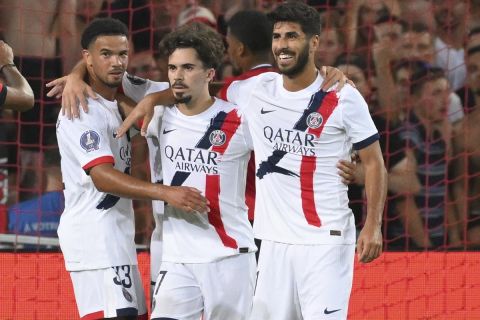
369	243
6	54
144	109
333	75
73	91
187	199
347	171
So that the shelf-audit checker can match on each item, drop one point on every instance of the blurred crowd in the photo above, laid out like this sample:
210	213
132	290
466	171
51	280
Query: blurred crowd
416	62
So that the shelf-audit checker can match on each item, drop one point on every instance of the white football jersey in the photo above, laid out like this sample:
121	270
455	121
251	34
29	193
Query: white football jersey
210	152
96	229
298	138
136	89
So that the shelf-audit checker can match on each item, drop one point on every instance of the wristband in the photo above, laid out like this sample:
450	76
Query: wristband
7	65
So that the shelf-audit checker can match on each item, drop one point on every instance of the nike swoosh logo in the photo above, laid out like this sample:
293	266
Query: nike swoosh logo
168	131
330	311
266	111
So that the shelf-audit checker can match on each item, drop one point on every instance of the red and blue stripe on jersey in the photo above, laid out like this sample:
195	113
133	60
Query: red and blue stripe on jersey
228	123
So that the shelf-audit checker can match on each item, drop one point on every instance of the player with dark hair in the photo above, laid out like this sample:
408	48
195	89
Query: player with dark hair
96	230
302	216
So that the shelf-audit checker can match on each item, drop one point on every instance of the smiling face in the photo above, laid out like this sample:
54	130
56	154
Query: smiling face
292	48
188	77
107	58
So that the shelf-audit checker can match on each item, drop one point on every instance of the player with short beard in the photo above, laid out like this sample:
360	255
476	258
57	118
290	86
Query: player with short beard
96	230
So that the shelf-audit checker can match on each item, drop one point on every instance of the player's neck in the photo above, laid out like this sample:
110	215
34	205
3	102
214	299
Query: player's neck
196	105
301	80
103	90
256	60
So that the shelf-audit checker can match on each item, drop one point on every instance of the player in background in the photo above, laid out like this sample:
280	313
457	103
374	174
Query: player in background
249	39
96	229
15	94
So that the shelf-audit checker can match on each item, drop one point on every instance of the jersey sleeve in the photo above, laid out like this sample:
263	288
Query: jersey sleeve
240	91
137	88
156	122
358	123
87	138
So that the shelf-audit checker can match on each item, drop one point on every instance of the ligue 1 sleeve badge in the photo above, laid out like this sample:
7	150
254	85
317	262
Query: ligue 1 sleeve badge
90	140
217	137
314	120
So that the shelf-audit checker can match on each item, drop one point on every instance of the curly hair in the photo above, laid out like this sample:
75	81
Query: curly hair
295	11
206	41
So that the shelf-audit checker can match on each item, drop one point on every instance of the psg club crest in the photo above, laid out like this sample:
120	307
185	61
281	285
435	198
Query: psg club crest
217	137
90	140
314	120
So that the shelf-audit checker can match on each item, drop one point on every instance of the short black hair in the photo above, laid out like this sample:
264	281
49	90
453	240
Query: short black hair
473	50
426	74
297	12
206	41
102	27
253	29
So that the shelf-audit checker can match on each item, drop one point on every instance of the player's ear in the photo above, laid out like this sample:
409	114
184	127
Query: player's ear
210	74
87	57
314	41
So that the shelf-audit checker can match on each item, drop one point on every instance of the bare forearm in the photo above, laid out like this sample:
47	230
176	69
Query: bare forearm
112	181
19	94
163	98
79	70
412	221
376	191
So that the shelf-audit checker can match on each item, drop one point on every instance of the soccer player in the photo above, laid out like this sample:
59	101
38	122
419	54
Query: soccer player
302	214
208	263
96	229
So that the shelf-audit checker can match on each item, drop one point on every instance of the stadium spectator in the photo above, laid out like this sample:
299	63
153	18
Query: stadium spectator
450	36
42	48
428	135
415	49
331	45
143	65
470	93
15	94
401	180
40	216
360	19
466	178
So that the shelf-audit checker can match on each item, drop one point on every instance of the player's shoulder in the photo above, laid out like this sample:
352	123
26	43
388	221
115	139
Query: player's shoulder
348	93
261	78
224	105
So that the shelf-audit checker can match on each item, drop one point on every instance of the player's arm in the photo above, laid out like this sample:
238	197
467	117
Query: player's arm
73	90
369	244
16	93
109	180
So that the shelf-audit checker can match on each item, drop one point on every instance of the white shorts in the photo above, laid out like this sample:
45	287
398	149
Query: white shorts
303	281
156	250
220	290
110	292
